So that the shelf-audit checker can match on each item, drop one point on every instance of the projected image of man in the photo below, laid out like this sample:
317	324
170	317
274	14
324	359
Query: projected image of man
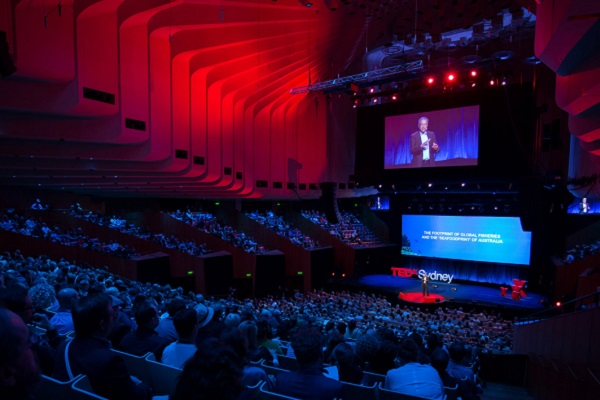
423	145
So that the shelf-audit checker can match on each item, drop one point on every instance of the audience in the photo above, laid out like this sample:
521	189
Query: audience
213	372
283	228
348	229
413	378
19	370
308	382
344	358
90	352
177	353
466	389
144	339
62	320
372	320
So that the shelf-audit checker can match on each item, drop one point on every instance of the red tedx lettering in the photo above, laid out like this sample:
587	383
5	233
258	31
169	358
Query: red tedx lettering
403	272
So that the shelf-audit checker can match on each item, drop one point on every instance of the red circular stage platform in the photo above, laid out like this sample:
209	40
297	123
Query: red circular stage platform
417	297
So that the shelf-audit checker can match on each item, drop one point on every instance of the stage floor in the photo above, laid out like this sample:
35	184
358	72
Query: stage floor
464	293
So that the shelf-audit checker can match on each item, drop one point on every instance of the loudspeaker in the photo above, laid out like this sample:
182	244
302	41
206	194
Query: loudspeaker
7	67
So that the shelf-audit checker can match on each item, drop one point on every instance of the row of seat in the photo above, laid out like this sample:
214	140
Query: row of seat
371	389
350	392
162	378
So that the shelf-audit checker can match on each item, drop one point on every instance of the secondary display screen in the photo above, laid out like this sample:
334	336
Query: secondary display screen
489	239
442	138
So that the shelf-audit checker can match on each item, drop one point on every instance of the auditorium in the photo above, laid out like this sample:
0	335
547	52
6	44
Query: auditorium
379	177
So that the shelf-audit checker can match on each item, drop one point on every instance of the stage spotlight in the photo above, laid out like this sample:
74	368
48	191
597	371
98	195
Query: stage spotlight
451	77
463	184
430	80
375	100
492	82
394	97
473	73
372	90
503	83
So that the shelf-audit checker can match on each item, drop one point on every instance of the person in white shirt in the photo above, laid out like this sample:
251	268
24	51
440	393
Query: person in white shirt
178	353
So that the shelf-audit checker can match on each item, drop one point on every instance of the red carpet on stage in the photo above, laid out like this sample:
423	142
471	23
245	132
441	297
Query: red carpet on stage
417	297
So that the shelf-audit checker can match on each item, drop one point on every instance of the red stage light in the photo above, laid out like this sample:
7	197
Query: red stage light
492	83
473	73
430	81
451	77
394	97
558	304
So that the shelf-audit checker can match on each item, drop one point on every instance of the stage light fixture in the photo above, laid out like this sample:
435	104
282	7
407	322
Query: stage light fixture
375	100
473	73
372	90
394	97
492	82
430	80
450	77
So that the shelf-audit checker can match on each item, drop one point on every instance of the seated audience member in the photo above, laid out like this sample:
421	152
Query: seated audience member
90	353
412	378
352	331
19	370
466	388
17	300
308	382
255	352
37	205
212	373
177	353
62	320
122	324
456	367
344	358
165	328
264	337
366	347
251	374
209	324
144	339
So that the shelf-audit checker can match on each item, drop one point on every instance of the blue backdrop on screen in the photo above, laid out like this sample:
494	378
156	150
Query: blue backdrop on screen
456	130
490	239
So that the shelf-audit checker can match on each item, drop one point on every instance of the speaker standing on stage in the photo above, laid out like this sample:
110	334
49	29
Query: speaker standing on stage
425	284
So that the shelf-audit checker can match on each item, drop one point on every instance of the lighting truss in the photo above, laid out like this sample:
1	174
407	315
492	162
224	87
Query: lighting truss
371	77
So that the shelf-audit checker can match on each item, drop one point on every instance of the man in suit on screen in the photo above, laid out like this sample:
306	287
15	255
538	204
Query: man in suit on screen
423	145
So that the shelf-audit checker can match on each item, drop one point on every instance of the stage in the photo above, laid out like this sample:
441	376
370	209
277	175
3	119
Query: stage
466	293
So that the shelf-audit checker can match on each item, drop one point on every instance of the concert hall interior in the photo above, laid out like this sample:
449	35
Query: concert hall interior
247	149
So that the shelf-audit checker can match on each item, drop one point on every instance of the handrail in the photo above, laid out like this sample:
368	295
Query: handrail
594	377
578	379
551	312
